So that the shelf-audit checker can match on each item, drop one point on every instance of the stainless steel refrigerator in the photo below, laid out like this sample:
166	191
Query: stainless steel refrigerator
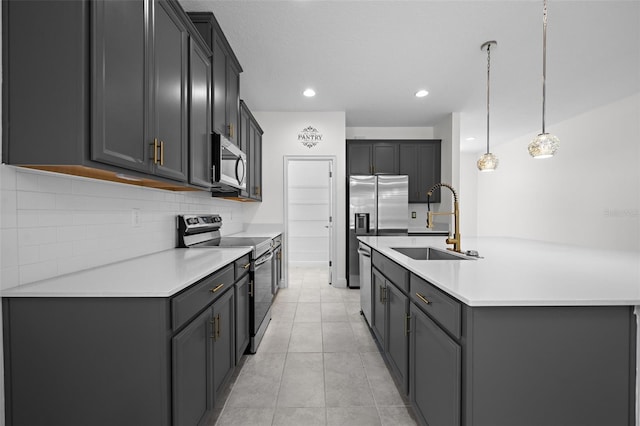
378	205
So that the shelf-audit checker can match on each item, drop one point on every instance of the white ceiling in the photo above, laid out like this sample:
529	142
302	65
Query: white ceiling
368	58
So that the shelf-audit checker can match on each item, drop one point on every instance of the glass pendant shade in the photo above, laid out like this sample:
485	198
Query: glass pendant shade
544	145
488	162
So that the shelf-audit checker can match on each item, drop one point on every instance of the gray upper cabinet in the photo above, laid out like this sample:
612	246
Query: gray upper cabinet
250	138
226	76
200	155
171	56
140	87
372	157
420	160
113	96
120	85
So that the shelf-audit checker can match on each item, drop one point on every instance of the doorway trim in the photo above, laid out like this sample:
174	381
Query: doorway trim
333	270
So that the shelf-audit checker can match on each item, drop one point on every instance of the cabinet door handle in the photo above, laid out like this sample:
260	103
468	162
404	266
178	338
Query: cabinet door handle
246	266
155	150
407	320
161	153
230	127
218	326
251	288
424	299
213	329
216	288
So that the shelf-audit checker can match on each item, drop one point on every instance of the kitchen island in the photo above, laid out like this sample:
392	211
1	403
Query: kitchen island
531	334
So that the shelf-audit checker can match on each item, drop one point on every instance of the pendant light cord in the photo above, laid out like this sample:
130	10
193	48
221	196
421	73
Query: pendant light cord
544	61
488	83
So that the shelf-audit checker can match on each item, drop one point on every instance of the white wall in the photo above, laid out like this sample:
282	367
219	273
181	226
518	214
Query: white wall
280	138
389	132
588	194
448	131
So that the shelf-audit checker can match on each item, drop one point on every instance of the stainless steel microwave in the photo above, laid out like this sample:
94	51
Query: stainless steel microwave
230	165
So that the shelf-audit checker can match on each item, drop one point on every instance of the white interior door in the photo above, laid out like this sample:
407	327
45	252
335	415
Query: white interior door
309	211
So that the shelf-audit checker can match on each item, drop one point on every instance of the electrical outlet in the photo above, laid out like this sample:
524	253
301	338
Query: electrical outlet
413	215
135	218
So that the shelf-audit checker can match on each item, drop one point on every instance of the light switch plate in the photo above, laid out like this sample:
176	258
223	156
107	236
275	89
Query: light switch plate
413	215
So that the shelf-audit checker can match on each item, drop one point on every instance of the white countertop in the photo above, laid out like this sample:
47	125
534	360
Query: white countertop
517	272
160	274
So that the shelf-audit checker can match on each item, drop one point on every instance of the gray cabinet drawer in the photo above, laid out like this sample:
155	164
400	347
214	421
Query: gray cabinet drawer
188	303
441	307
242	266
394	272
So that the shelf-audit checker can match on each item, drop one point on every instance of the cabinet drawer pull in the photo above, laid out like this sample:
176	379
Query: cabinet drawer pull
246	266
216	288
424	299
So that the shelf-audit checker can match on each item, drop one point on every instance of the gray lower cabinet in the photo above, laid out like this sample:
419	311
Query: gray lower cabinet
105	361
223	336
397	342
435	372
193	394
243	336
390	324
503	365
378	311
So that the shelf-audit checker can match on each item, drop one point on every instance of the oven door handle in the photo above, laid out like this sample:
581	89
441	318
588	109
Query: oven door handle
263	260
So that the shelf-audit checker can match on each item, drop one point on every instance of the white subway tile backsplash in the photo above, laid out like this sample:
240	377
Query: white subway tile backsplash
8	207
9	277
28	255
7	177
28	200
38	271
9	247
36	236
56	224
55	251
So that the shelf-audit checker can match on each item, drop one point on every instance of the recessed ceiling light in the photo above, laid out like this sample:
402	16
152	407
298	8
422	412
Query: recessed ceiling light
421	93
309	93
470	138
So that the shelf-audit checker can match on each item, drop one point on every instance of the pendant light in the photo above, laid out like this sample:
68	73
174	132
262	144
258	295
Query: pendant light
545	144
488	162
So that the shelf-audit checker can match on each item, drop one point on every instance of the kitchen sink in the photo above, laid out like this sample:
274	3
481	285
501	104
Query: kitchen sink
429	253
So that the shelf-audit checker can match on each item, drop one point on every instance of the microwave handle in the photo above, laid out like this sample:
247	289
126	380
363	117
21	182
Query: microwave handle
240	177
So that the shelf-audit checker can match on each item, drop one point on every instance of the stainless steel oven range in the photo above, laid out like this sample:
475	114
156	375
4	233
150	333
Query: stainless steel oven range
202	231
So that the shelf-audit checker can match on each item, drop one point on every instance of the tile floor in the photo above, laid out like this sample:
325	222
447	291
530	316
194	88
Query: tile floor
317	364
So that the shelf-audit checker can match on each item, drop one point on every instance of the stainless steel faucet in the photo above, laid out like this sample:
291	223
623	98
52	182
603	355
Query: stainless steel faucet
456	216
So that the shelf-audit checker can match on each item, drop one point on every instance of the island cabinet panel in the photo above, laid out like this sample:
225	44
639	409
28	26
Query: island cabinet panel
549	366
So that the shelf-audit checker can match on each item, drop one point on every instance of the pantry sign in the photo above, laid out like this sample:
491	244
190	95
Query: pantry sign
310	136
